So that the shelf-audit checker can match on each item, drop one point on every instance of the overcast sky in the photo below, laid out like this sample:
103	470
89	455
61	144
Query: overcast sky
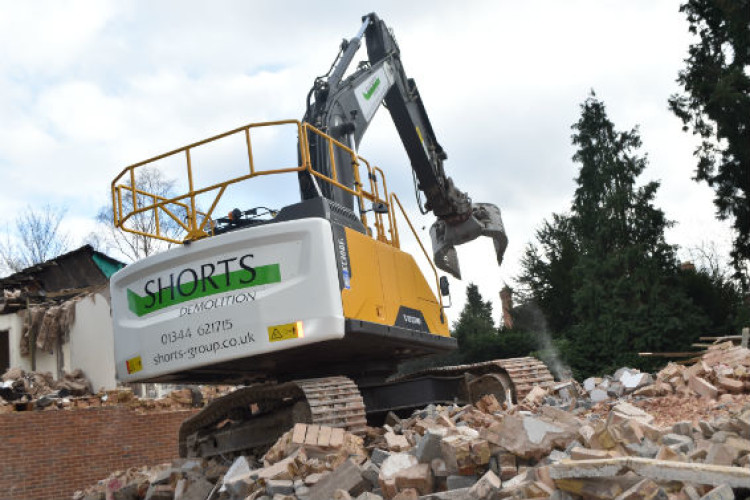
87	88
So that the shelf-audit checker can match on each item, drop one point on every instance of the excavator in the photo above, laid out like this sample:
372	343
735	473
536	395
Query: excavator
311	307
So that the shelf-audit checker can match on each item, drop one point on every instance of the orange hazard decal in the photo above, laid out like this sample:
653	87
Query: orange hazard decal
134	365
285	332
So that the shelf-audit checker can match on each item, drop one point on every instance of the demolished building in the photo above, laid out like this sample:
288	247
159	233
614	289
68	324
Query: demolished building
55	317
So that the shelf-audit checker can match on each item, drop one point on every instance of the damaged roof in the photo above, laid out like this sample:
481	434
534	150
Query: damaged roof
80	268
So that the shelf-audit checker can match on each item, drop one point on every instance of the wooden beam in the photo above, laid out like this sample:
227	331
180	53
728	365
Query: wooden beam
670	354
726	337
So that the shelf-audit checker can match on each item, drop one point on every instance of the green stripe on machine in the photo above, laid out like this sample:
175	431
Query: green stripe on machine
236	280
371	90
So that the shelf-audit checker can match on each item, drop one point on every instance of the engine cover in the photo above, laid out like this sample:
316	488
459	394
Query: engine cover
242	294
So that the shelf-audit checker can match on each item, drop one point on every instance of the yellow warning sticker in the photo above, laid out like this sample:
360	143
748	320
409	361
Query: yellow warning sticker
134	364
285	332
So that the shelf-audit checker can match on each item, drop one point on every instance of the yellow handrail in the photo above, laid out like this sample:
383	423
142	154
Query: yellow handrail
198	224
193	229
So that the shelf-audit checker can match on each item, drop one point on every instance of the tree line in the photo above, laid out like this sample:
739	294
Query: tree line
600	283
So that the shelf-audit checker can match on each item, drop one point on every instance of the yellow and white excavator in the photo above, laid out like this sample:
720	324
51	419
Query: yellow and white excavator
314	306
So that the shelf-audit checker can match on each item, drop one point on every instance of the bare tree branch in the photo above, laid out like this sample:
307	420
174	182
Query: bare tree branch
37	238
135	246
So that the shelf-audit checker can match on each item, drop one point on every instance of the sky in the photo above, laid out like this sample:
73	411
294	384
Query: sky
89	87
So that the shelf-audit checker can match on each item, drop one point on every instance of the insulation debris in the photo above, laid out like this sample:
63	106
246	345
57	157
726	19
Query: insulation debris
22	391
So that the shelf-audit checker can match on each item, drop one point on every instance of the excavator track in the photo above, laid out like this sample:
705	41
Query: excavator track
331	401
335	402
254	417
524	373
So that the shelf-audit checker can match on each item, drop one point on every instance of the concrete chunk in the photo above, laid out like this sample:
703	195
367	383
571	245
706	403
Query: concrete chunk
626	411
428	447
196	490
646	489
632	380
685	428
371	472
590	383
703	387
456	451
396	442
531	437
657	470
487	487
721	454
678	442
417	476
598	395
721	492
730	385
346	476
460	482
279	487
369	496
378	456
240	467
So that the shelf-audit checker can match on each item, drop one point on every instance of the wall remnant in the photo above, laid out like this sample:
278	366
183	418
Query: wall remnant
48	455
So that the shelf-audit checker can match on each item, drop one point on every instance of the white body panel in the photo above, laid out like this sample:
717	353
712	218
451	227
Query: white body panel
235	288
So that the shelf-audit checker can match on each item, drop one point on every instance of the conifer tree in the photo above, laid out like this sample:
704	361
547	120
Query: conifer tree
475	329
547	279
627	297
716	106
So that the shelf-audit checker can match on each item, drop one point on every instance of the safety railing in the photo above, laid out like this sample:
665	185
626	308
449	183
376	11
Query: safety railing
139	211
132	204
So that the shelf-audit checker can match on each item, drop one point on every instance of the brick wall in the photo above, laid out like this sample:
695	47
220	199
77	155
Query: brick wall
48	455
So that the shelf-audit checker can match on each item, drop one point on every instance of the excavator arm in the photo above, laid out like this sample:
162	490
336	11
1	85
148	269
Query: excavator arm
344	107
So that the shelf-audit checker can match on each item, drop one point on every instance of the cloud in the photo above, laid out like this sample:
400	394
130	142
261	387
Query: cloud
46	39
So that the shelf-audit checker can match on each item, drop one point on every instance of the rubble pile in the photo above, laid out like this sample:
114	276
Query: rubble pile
714	387
723	369
721	375
23	391
623	382
482	451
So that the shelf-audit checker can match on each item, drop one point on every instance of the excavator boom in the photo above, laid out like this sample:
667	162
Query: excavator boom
344	108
